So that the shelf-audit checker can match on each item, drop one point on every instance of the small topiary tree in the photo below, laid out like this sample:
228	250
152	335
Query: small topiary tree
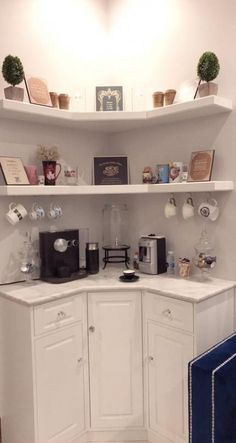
12	70
208	68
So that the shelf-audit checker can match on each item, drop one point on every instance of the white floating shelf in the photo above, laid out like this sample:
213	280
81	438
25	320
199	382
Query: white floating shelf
28	190
114	121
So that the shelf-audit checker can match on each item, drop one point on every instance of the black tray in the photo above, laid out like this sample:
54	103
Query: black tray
128	280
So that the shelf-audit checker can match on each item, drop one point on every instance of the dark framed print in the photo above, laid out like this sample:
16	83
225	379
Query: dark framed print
109	98
200	167
13	171
37	91
110	170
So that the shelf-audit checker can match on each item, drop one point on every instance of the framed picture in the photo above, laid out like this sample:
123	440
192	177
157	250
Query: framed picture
37	91
109	98
110	170
200	167
13	171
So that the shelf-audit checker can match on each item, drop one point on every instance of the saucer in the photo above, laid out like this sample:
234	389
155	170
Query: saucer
128	280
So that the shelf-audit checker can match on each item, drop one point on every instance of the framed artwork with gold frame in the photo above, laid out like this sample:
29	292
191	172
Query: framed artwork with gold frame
200	167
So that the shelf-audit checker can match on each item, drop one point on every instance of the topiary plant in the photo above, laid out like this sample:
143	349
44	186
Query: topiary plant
12	70
208	68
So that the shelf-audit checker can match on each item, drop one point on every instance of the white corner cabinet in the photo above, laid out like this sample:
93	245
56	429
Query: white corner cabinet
104	366
109	122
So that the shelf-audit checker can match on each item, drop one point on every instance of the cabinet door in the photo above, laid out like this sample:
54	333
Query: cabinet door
169	352
60	385
115	347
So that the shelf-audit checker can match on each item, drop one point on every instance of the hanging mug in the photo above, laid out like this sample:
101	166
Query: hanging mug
49	171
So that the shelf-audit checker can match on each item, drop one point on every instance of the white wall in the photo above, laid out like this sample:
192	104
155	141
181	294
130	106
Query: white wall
161	42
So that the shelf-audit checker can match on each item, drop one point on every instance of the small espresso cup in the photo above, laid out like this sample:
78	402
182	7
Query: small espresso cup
16	213
188	209
170	209
209	210
54	212
37	212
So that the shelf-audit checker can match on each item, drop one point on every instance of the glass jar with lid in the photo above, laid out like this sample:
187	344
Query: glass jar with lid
115	234
115	225
204	258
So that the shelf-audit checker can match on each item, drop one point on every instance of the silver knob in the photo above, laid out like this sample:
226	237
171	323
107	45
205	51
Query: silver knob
150	358
167	313
61	315
91	328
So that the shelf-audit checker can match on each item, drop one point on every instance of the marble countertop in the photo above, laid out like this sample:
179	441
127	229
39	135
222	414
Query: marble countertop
192	289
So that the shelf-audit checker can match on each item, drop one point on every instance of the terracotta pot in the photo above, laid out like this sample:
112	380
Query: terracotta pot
169	96
54	99
49	171
208	88
14	93
64	101
158	99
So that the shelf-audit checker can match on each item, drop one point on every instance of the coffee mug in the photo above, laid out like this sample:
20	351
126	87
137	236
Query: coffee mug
55	211
16	213
31	172
188	209
170	209
37	212
209	210
70	175
175	172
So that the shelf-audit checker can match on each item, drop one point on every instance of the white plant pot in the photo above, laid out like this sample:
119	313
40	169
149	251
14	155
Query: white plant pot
208	88
14	93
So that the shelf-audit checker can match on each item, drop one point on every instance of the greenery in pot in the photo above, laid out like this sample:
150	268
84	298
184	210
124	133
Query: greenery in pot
13	73
208	68
12	70
47	154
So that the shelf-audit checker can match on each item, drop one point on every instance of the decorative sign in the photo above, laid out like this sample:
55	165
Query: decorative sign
37	91
13	171
200	167
111	170
109	98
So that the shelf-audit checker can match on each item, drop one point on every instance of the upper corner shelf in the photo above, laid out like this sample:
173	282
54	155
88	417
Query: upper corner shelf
28	190
114	121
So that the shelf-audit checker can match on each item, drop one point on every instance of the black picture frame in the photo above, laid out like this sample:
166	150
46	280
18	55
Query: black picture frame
109	98
110	170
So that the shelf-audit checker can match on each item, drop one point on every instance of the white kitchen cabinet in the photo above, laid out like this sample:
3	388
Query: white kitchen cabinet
115	357
168	355
60	381
45	364
175	331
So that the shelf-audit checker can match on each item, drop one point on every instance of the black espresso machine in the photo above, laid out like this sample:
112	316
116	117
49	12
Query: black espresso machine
59	255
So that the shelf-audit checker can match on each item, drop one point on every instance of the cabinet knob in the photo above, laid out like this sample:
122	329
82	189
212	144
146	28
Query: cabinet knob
150	358
79	360
167	313
61	315
91	328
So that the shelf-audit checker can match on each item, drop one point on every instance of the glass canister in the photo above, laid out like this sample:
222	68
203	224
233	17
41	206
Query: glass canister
204	258
115	225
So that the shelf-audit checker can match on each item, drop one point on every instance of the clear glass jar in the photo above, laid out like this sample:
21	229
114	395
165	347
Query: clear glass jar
204	258
115	225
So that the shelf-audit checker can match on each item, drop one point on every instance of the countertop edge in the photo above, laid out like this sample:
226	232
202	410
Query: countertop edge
107	287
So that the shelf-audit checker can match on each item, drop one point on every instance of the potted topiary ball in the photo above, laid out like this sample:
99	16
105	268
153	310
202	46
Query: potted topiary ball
207	70
13	73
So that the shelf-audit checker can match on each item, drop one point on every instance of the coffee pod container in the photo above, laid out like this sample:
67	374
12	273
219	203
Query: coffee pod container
92	258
